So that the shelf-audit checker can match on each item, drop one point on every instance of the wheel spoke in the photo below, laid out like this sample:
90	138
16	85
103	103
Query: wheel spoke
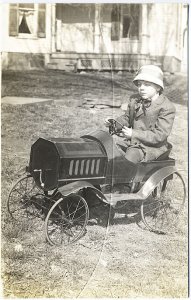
83	215
149	212
18	191
20	202
73	213
161	219
69	215
18	208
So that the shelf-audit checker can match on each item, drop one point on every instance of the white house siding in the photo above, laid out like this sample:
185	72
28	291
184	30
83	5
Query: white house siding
165	34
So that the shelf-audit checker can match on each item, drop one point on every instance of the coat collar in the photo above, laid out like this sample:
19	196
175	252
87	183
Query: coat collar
158	101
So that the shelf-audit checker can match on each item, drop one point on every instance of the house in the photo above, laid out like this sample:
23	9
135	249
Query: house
94	36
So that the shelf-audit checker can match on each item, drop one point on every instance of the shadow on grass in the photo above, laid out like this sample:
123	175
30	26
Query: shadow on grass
126	214
61	84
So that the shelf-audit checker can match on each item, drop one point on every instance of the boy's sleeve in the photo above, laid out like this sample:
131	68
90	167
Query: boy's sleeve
159	132
125	119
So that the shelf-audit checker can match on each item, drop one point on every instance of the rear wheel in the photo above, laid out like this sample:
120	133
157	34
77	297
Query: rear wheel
66	220
160	212
20	202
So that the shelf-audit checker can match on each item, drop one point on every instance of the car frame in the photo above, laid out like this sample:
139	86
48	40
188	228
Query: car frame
66	175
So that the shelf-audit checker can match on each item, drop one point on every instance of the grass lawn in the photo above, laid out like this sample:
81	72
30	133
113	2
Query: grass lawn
120	260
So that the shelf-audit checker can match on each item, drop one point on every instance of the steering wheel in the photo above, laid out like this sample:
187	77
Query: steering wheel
113	128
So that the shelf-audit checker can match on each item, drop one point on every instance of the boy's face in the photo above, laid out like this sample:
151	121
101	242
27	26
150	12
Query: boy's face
147	90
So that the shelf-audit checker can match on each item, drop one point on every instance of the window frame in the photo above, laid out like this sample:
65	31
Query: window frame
39	23
29	35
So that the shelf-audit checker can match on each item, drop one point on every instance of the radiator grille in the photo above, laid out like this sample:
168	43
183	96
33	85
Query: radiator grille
84	167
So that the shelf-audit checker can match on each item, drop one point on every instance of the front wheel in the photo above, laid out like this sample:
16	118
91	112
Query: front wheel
21	202
66	220
161	211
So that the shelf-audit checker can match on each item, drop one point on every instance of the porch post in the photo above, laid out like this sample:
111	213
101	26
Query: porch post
58	35
53	27
144	34
97	29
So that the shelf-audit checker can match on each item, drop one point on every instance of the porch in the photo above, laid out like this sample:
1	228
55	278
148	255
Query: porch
99	37
98	61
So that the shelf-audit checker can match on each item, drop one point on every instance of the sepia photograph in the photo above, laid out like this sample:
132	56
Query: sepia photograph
94	149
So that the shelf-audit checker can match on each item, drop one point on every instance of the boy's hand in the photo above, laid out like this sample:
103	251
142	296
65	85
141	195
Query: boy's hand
127	132
106	122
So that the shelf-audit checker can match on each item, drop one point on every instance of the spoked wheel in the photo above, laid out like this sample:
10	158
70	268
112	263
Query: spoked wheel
160	212
66	220
21	199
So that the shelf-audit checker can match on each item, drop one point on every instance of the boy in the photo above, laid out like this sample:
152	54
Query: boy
148	120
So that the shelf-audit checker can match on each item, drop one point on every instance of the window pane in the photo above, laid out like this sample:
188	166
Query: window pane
130	20
115	14
134	30
126	25
23	27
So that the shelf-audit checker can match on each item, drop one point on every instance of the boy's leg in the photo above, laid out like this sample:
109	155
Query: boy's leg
119	141
134	154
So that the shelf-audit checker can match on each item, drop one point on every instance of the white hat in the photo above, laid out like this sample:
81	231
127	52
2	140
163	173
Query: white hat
150	73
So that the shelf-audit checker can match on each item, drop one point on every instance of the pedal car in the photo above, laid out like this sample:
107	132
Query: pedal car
65	174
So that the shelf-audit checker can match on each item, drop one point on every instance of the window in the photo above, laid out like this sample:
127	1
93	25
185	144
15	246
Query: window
125	21
27	19
130	21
